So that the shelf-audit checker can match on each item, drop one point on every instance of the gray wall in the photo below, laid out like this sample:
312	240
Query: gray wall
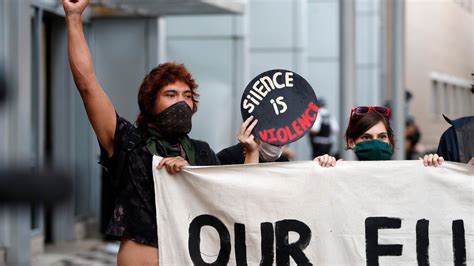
323	51
216	58
278	39
121	60
370	52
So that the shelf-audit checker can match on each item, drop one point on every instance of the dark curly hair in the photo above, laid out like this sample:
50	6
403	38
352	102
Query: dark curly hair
160	76
359	124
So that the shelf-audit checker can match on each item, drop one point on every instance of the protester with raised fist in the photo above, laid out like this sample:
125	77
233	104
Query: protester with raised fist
167	99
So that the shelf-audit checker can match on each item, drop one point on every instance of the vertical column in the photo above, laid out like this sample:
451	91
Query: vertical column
156	45
240	66
398	80
300	44
62	127
347	68
16	44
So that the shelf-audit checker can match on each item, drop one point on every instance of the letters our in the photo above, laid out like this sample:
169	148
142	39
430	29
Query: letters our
272	238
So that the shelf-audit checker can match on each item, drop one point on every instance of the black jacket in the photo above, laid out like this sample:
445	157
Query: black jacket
457	142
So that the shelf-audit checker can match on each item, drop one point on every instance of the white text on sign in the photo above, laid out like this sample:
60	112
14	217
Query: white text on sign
263	86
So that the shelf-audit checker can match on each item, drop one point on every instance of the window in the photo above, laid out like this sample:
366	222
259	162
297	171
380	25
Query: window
447	96
465	4
436	103
451	96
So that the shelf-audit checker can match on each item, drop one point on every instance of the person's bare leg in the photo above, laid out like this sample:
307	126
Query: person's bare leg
133	253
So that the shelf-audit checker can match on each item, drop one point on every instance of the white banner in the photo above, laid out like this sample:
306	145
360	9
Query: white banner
298	213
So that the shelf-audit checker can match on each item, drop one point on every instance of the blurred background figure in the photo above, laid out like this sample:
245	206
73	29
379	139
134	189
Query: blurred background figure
324	130
412	132
3	92
288	153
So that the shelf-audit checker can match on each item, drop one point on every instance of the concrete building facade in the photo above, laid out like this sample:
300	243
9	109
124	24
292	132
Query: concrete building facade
439	63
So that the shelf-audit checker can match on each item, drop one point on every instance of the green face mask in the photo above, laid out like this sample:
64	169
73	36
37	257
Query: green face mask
373	150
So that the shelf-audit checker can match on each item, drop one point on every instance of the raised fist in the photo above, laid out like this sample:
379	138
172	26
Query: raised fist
75	6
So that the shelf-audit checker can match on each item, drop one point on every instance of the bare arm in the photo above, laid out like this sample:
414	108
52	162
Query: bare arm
98	106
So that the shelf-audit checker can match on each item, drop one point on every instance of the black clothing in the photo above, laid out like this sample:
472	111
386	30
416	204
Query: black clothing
321	142
235	155
320	149
457	142
134	216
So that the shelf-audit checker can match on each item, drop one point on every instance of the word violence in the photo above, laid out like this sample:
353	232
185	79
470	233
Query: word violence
298	127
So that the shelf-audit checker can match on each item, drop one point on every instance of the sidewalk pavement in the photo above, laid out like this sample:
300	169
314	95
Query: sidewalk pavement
82	252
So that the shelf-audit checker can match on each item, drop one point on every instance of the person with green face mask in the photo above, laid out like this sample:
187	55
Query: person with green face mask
371	138
369	133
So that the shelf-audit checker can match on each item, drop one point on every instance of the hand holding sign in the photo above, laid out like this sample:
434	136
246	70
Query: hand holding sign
248	140
283	102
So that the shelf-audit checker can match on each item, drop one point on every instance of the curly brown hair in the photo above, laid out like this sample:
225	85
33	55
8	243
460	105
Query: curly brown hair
359	124
160	76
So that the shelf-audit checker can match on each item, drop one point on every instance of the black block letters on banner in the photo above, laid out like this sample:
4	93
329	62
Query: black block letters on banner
372	247
267	244
284	249
195	240
295	250
240	247
422	242
374	250
459	243
275	245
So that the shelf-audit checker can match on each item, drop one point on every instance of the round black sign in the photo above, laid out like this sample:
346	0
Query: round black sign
284	104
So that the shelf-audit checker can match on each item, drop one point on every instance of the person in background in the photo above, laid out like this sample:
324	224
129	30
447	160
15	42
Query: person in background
252	150
167	99
323	130
412	138
288	153
412	132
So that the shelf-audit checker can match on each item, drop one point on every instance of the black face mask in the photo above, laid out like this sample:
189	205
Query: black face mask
174	121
